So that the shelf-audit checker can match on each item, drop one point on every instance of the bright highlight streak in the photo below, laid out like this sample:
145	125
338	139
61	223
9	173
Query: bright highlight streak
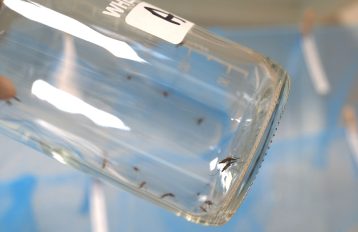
314	65
98	208
352	137
350	120
226	180
73	27
58	157
213	164
71	104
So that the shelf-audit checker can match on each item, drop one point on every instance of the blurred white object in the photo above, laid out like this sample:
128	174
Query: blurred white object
314	65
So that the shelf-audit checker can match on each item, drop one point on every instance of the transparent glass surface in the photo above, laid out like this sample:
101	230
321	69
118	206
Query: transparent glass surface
185	126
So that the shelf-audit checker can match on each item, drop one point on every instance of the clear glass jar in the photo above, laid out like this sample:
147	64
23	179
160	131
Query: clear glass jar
133	94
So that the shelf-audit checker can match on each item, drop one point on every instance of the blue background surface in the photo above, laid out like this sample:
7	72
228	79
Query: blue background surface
308	182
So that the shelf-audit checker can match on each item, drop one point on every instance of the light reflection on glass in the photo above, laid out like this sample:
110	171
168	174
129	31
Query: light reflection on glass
73	27
58	157
67	69
71	104
203	198
213	164
226	180
238	120
225	176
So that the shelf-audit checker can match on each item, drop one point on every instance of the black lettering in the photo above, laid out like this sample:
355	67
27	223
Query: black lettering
165	15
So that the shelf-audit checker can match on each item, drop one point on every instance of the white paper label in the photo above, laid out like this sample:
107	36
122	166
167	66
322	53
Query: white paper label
158	22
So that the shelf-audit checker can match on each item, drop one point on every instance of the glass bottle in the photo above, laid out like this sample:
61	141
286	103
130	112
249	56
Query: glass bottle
133	94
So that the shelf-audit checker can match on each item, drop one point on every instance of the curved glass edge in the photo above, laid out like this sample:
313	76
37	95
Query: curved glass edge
239	193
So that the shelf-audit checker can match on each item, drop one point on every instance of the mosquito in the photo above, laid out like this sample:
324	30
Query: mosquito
165	94
142	184
228	162
104	163
208	204
199	121
167	195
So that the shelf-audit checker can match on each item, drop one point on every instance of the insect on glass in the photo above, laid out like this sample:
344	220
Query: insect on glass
209	203
228	162
104	163
142	184
167	195
199	121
